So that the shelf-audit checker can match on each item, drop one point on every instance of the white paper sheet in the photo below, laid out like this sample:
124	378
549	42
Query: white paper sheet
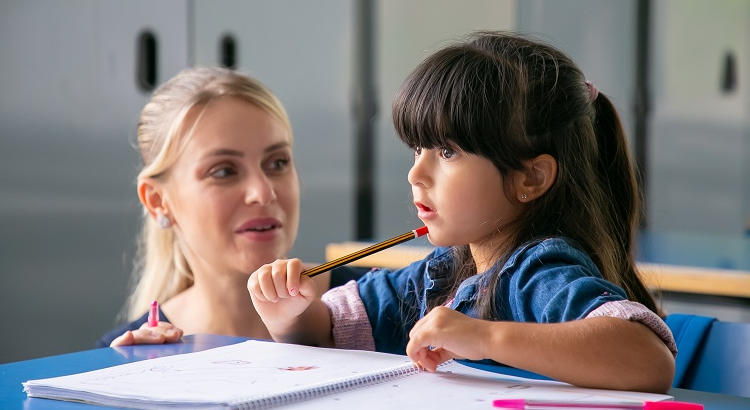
457	386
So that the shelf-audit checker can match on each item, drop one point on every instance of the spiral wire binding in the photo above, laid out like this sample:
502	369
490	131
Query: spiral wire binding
264	402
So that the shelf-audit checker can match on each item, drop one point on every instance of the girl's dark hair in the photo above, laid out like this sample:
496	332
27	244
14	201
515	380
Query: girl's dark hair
510	99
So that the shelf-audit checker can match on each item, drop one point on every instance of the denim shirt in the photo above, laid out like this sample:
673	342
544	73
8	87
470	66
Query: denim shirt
546	281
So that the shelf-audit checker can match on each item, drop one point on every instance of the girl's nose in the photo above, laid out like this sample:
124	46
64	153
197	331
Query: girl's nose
418	174
260	190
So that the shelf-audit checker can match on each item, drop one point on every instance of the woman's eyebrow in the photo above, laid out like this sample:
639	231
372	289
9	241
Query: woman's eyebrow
224	151
276	146
235	153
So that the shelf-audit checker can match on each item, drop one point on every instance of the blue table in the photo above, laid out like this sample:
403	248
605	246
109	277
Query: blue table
13	374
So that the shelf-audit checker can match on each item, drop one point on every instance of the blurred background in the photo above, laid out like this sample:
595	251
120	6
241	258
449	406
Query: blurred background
74	75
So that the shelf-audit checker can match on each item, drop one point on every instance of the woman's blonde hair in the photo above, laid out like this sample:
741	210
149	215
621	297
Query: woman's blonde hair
160	270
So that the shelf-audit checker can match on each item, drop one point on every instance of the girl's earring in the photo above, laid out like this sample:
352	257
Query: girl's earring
524	197
162	220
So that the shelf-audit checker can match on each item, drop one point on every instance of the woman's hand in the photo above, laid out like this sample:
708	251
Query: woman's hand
445	334
165	332
279	293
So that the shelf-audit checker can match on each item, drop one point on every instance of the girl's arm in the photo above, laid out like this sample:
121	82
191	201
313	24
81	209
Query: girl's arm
601	352
289	305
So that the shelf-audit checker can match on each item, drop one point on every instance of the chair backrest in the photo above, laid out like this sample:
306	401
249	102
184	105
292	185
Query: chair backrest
715	355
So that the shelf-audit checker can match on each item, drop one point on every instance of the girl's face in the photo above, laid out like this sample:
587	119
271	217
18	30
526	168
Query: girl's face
233	194
460	197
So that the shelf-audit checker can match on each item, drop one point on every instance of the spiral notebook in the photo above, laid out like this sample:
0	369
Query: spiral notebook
256	374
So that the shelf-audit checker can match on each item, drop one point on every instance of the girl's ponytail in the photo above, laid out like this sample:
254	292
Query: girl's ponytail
618	182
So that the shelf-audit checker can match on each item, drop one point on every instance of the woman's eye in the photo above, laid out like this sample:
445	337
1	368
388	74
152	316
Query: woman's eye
417	151
279	164
222	172
447	153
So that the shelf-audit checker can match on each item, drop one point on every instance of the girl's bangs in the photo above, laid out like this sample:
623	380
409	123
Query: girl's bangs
446	100
424	106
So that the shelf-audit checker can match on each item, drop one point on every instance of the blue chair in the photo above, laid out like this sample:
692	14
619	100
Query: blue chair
712	356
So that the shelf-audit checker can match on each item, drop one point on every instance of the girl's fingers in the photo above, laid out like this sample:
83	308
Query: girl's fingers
438	356
428	363
307	287
414	349
253	287
420	337
415	329
293	269
430	359
267	288
279	273
416	356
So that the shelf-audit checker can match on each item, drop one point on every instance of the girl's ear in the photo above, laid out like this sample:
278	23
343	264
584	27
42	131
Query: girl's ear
151	195
536	178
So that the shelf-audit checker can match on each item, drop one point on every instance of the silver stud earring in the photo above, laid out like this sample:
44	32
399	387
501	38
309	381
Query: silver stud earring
524	197
162	220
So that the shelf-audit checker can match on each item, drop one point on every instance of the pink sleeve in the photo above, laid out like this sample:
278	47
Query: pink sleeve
629	310
350	326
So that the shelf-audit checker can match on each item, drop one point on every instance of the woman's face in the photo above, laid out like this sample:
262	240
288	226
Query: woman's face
233	194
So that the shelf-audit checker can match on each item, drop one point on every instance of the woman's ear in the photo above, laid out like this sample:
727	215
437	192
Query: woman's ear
536	178
151	195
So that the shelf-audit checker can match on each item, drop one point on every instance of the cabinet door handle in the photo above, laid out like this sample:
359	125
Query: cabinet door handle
729	73
228	51
146	61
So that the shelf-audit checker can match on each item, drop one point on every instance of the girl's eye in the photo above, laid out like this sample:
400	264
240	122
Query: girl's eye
417	151
447	153
222	172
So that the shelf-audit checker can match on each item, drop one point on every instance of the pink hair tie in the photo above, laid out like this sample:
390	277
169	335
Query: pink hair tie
593	91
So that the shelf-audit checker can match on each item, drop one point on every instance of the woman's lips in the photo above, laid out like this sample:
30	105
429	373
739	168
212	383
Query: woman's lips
260	229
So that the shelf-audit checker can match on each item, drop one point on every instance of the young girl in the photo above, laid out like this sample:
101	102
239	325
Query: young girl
521	173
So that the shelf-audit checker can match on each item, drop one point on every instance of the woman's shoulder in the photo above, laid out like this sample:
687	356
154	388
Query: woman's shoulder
111	335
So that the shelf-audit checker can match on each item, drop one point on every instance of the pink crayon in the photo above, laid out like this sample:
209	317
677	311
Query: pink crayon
153	314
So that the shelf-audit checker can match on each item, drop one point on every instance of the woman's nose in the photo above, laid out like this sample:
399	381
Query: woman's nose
260	190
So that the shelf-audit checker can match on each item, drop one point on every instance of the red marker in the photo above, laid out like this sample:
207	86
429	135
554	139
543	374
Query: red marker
416	233
153	314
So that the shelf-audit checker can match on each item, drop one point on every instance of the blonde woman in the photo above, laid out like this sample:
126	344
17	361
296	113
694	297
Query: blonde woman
221	196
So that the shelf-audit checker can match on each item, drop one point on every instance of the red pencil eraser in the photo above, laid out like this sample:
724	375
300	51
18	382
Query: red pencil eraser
421	231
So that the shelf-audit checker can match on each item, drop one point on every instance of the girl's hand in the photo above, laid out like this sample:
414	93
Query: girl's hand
279	292
165	332
445	334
